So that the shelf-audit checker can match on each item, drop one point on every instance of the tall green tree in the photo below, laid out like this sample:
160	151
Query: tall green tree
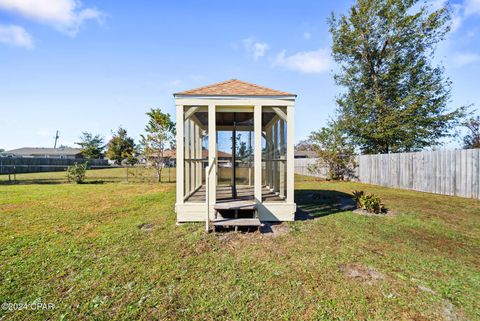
394	98
120	147
92	146
472	139
159	134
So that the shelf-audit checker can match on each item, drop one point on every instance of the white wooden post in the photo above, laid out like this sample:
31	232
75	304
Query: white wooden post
212	153
199	156
275	157
187	156
268	163
257	157
250	179
282	156
290	154
180	169
192	155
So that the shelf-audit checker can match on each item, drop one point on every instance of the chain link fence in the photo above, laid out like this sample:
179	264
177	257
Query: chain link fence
57	174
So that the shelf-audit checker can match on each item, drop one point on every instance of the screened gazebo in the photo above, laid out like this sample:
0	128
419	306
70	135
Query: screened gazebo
235	144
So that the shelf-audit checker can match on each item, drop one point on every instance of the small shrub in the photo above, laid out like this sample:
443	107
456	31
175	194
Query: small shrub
368	202
76	172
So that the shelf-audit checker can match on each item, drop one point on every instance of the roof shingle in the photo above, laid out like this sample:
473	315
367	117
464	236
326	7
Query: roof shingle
234	87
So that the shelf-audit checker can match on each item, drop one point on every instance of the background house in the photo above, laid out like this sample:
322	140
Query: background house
45	152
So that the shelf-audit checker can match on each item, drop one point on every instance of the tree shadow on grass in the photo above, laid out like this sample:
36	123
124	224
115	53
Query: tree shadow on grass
98	181
40	181
50	181
312	204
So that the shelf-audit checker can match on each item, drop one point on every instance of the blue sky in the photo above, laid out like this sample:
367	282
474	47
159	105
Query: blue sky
94	65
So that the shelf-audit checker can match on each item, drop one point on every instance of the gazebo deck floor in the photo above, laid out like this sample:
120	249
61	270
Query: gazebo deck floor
244	193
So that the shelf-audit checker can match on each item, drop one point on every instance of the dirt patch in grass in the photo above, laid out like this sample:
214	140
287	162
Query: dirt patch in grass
363	212
426	289
232	239
274	229
360	273
451	313
146	226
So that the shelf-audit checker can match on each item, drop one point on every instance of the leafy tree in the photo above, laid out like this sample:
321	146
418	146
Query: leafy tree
159	133
242	150
76	172
2	150
92	146
303	146
334	151
120	147
394	100
472	139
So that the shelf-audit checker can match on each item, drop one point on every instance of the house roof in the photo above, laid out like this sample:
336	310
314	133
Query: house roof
233	87
40	151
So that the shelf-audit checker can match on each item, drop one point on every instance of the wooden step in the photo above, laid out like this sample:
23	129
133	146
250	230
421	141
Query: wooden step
237	222
235	205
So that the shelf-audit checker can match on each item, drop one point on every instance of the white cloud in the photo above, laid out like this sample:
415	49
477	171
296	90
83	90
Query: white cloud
15	36
457	17
255	48
465	58
472	7
316	61
307	35
64	15
460	11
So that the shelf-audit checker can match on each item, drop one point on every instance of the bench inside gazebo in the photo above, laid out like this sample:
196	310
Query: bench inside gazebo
235	144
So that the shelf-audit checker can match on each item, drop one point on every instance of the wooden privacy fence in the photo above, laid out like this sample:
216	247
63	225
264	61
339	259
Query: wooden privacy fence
302	166
10	165
448	172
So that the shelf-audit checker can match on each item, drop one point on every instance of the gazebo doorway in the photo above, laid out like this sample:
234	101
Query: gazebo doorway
235	174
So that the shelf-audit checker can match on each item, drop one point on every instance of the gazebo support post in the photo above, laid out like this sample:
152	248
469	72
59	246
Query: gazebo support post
212	153
282	156
257	156
180	157
290	154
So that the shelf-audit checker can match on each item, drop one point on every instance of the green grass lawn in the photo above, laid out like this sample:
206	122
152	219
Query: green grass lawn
80	247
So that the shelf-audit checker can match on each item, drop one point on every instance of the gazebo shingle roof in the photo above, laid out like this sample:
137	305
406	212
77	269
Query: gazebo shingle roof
234	87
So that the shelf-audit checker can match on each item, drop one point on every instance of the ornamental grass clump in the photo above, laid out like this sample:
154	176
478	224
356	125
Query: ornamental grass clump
368	202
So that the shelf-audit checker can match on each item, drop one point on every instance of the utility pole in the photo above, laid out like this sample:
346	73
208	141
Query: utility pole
56	138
